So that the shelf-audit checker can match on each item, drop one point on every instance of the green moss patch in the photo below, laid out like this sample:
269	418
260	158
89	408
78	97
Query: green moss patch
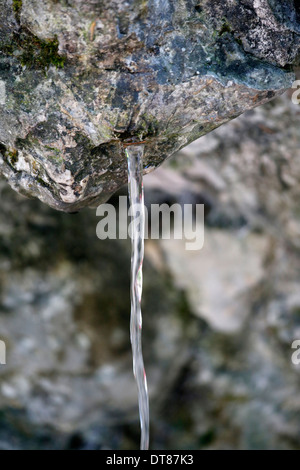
38	53
33	52
17	7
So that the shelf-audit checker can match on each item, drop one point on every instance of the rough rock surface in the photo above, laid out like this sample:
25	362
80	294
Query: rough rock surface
79	79
217	352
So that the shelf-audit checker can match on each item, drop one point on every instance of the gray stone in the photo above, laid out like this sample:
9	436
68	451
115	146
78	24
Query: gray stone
80	80
217	354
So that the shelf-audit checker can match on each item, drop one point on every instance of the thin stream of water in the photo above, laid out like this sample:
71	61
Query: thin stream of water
136	199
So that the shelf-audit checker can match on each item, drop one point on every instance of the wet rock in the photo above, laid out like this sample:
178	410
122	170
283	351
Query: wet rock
78	81
219	378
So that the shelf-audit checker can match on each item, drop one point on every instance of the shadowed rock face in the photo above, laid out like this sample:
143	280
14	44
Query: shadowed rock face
218	324
80	79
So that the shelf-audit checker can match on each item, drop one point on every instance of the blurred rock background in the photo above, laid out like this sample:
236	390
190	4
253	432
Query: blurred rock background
218	323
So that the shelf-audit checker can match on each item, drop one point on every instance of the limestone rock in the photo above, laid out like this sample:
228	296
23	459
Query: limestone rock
80	79
219	378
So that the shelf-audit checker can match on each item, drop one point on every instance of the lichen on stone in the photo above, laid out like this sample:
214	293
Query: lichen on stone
85	78
17	7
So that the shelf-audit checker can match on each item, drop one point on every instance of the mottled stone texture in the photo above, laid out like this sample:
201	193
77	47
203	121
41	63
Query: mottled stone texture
80	79
218	324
